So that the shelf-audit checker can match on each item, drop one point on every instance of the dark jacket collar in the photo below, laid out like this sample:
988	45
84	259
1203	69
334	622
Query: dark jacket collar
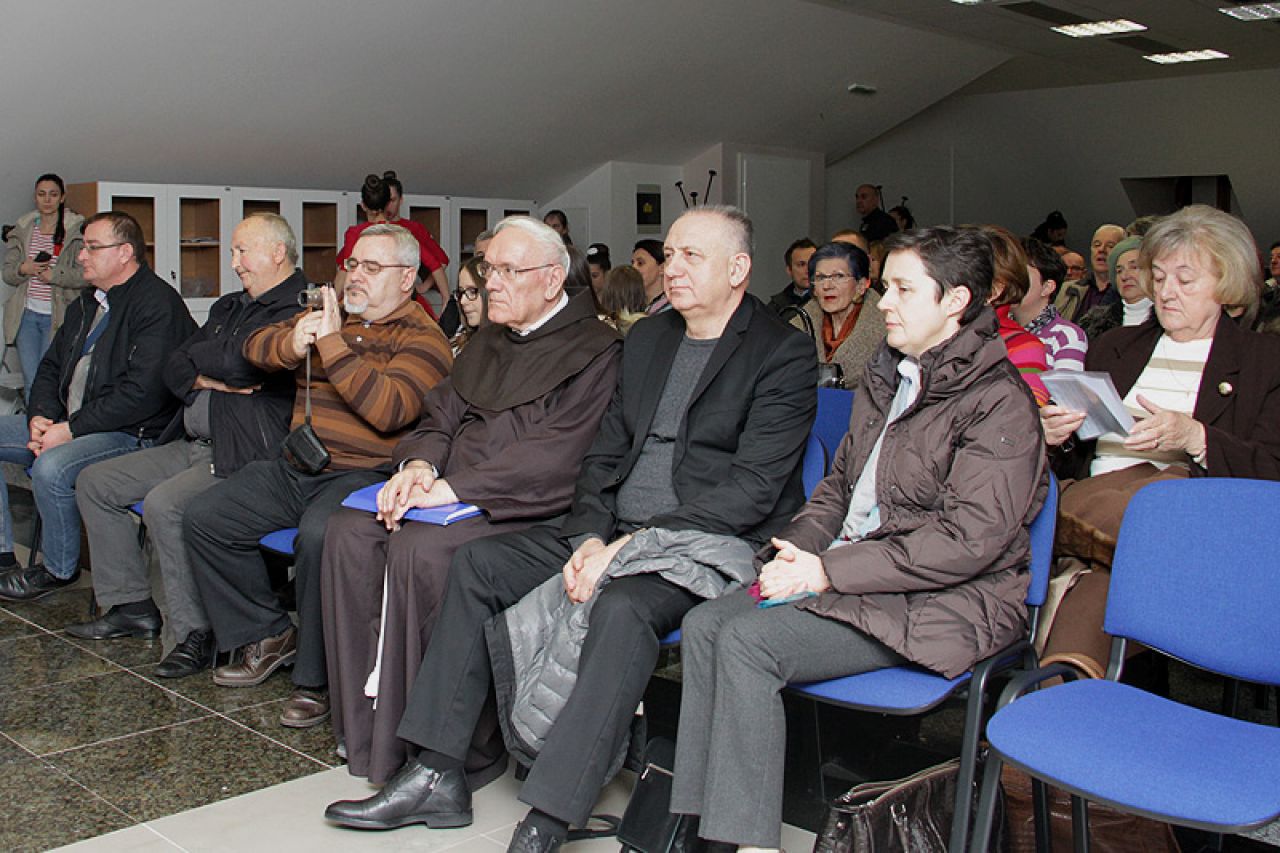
285	291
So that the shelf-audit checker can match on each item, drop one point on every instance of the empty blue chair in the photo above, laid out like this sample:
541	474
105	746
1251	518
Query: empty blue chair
1194	577
912	690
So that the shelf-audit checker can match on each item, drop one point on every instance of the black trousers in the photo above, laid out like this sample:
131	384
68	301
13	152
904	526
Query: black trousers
222	531
621	649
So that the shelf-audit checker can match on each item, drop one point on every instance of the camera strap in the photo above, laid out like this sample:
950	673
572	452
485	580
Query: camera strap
307	409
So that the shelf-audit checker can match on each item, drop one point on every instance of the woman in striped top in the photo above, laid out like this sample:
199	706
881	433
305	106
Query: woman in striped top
1205	393
40	263
1009	285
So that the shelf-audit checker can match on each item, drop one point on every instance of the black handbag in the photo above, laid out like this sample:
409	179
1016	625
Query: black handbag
911	815
648	825
302	448
830	373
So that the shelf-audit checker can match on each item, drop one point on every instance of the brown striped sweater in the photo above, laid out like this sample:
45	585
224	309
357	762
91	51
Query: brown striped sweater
367	383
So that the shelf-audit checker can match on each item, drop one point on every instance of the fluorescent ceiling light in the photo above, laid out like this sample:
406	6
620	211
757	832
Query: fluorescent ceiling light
1253	12
1185	56
1099	28
972	2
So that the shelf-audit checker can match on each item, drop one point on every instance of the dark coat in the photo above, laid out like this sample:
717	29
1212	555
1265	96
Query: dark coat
125	391
943	580
737	454
245	427
1239	407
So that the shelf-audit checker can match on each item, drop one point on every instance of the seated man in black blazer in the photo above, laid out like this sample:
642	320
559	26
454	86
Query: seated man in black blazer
705	432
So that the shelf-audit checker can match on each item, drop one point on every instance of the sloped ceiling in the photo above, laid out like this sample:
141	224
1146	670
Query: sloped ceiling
464	97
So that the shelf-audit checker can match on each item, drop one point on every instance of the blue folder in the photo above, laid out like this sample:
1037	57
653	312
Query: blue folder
366	499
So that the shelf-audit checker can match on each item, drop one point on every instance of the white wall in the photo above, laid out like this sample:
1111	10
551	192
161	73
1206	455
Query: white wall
1010	158
609	193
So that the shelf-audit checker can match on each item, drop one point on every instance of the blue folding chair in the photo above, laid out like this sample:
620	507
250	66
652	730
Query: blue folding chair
1194	577
835	406
911	690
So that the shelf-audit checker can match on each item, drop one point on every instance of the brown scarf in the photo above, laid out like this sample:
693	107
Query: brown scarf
832	342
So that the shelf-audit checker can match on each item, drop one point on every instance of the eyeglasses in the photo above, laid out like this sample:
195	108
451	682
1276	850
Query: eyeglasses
467	293
371	267
94	247
507	274
834	278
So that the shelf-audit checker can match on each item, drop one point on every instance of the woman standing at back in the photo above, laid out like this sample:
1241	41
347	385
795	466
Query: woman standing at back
40	263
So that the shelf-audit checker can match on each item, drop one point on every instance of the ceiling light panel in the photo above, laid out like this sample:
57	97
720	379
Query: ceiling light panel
1186	56
1253	11
1099	28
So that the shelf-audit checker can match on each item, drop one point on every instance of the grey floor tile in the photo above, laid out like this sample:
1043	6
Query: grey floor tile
142	653
161	772
199	688
134	839
317	741
44	809
44	659
76	713
12	627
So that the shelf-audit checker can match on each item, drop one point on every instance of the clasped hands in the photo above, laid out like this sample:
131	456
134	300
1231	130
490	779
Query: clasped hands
415	485
792	571
314	325
1162	429
583	570
46	434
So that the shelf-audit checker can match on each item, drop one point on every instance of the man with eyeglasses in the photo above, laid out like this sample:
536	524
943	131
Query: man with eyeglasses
371	362
506	432
98	393
703	437
233	414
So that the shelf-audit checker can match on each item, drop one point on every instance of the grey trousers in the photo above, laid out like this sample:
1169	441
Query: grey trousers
731	745
169	478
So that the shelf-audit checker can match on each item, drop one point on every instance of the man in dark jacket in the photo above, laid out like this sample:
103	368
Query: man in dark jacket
233	414
705	432
98	392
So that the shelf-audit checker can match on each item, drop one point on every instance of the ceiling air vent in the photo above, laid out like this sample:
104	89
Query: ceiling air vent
1041	12
1144	45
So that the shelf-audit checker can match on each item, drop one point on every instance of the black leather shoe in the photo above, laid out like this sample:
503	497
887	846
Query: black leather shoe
117	624
416	794
30	584
192	655
529	839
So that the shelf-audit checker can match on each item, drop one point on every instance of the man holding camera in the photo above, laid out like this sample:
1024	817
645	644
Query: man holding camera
361	382
233	414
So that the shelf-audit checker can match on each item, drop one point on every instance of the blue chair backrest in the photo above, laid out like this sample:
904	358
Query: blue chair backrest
1042	530
835	405
1195	575
815	464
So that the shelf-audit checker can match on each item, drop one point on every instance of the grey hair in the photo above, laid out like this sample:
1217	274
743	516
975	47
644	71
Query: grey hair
542	234
279	231
742	232
407	251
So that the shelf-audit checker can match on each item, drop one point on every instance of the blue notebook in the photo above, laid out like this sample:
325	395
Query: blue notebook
366	499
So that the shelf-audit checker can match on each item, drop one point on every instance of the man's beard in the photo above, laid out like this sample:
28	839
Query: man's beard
354	308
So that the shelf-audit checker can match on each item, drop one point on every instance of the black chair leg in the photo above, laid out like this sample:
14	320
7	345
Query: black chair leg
1080	824
1040	809
985	817
36	531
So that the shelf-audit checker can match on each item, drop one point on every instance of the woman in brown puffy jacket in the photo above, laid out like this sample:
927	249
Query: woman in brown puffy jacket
914	549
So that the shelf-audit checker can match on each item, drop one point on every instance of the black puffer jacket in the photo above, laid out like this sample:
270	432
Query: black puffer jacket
961	475
245	427
124	392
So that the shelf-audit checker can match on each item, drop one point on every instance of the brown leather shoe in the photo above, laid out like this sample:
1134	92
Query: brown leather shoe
305	708
258	660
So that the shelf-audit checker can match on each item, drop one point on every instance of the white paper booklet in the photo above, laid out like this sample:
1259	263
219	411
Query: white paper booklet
1094	394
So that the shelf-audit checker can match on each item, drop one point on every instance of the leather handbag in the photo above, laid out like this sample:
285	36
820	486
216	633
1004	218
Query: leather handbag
302	448
911	815
830	373
648	824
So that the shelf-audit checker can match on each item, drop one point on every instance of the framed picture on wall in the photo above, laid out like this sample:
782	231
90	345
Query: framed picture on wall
648	209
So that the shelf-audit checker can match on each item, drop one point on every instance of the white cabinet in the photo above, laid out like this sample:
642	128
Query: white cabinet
471	216
187	228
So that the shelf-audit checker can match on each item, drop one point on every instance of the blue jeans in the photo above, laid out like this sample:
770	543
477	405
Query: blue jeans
53	480
34	334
